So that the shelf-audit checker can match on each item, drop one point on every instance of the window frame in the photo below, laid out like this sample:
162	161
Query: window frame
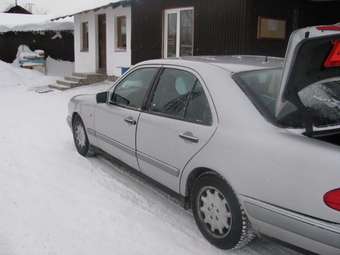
82	34
119	33
198	79
177	11
124	77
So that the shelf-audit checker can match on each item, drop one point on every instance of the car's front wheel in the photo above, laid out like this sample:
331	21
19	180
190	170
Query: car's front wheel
80	138
218	213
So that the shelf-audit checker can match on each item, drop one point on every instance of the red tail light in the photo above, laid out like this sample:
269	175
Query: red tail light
332	199
329	28
333	59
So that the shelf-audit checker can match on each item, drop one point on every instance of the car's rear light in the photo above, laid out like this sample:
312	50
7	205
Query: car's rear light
332	199
329	28
333	60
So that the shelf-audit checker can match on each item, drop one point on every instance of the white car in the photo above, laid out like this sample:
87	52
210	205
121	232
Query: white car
251	143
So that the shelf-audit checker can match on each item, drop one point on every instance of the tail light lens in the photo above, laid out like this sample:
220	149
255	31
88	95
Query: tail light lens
332	199
333	59
329	28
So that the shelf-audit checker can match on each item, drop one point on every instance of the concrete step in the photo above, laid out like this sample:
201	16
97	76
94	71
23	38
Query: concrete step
83	75
59	87
75	79
78	80
71	84
90	75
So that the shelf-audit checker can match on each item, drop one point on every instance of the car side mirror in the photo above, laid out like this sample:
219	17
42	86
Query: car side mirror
102	97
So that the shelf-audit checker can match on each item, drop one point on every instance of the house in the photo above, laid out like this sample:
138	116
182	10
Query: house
37	32
111	38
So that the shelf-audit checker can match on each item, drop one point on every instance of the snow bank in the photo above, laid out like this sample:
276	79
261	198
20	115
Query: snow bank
54	67
11	75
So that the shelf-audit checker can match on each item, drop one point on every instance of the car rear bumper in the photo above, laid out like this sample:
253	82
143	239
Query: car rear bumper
301	230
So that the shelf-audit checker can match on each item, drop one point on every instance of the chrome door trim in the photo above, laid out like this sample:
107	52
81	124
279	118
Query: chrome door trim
158	164
110	141
140	155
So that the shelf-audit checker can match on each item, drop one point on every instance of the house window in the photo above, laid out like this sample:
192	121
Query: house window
84	36
121	33
179	32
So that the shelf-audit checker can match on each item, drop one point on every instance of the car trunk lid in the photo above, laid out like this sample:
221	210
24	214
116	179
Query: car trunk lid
313	55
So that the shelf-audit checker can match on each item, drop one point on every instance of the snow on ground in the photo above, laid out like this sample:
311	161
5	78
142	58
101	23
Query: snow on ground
53	201
14	76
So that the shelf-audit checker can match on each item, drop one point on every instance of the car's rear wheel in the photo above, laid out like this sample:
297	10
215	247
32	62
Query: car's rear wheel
218	213
80	138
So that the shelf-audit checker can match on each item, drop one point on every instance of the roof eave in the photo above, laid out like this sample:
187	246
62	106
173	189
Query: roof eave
113	5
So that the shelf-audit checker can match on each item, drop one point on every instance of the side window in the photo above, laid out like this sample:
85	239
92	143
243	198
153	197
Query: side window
84	36
121	33
198	110
172	93
132	90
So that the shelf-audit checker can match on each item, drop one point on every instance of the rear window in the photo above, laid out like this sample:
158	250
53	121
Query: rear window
262	87
321	99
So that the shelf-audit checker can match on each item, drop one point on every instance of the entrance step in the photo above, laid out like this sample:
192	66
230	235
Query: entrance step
75	79
79	79
89	75
59	87
71	84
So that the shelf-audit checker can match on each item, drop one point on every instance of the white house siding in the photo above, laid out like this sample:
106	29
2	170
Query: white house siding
87	62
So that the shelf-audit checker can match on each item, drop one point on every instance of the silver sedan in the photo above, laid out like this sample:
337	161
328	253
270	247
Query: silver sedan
250	143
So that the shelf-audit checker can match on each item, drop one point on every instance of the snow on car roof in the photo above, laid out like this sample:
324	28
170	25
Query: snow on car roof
24	22
233	63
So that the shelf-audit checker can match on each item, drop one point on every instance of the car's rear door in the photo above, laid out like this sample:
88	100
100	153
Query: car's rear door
179	120
116	121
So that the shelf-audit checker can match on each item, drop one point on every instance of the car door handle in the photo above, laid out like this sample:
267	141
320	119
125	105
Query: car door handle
189	137
130	121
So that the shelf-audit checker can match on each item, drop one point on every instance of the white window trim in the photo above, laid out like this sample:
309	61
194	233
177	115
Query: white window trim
178	35
118	49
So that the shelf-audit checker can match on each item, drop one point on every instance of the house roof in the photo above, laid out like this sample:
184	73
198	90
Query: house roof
17	9
26	23
113	4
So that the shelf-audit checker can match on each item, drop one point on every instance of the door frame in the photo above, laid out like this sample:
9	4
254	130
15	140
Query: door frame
178	29
99	48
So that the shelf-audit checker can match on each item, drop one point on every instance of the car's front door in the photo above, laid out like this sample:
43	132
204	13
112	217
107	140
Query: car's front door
116	121
178	122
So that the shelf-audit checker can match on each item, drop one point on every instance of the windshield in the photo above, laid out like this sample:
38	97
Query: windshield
321	99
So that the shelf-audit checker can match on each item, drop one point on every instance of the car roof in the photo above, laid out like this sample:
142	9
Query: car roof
232	63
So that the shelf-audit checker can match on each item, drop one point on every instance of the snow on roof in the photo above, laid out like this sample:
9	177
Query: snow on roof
25	23
111	4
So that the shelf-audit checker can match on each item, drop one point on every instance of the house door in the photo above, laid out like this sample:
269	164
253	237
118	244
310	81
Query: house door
102	43
178	32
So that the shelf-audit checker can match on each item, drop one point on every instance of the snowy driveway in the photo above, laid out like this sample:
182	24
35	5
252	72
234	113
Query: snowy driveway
53	201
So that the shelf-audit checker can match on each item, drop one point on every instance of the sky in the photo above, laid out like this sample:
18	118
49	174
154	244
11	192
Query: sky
56	7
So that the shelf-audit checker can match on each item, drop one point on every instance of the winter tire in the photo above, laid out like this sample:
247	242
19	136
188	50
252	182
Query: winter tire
218	213
80	138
